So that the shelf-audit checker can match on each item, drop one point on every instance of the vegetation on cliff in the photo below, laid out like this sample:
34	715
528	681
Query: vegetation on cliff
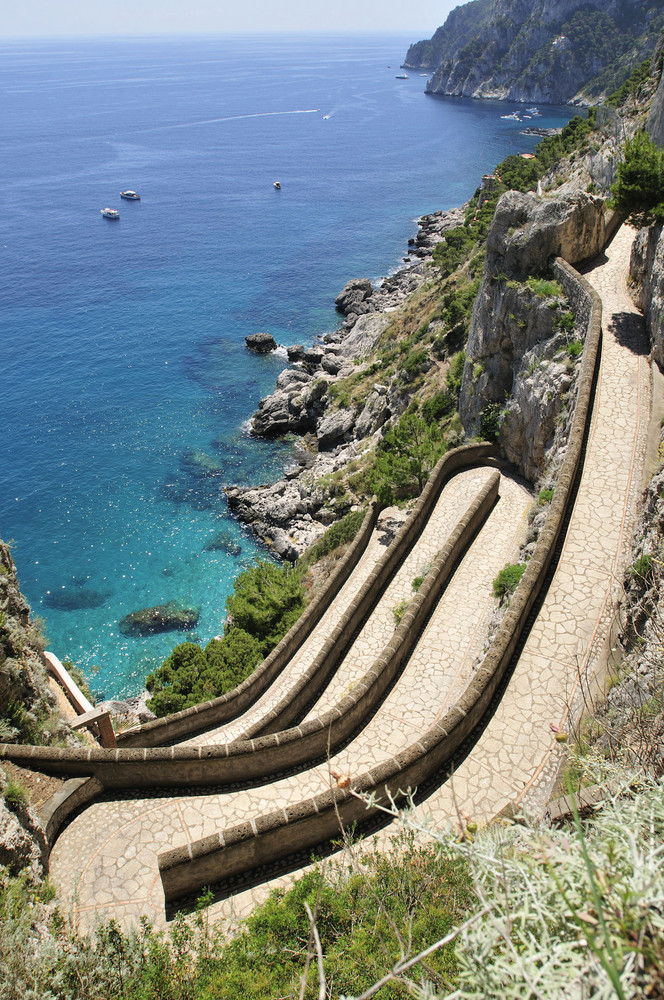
266	600
539	52
27	707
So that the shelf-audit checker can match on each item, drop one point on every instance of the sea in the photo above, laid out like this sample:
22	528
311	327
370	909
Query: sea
126	387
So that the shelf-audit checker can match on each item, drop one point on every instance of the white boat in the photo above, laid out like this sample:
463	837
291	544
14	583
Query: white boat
130	195
511	118
401	76
277	185
110	213
532	111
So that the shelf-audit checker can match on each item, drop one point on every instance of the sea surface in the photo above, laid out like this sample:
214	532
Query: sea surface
125	384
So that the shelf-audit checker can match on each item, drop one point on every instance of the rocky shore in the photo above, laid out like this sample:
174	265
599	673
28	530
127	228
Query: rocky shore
291	514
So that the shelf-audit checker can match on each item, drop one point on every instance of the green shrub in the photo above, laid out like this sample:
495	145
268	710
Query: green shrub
642	567
566	322
638	76
340	533
405	457
265	602
545	496
575	348
490	422
454	374
14	794
440	405
639	187
508	579
545	288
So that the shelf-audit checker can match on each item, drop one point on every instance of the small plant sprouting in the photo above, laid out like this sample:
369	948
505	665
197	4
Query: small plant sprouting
508	579
399	610
14	794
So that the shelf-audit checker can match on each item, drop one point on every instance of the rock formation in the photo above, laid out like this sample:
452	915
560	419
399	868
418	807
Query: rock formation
518	372
541	51
260	343
171	617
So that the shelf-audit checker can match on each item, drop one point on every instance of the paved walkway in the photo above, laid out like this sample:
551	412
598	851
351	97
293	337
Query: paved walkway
119	841
104	875
516	759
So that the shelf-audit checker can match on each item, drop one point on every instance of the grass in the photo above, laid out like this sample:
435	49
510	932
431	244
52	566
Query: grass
545	288
508	579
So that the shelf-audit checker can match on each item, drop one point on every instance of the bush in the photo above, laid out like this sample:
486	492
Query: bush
266	601
405	458
508	579
575	348
340	533
490	422
544	287
642	568
454	374
440	405
638	190
545	496
14	794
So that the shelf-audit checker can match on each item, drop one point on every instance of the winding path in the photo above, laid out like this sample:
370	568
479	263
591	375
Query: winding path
105	860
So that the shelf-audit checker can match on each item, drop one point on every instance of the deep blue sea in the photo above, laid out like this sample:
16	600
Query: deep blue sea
123	356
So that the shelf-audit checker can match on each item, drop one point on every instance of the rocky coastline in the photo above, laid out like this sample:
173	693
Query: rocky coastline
291	514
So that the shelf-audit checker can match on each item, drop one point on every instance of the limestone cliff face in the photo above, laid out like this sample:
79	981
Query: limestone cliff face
518	369
26	704
647	279
543	51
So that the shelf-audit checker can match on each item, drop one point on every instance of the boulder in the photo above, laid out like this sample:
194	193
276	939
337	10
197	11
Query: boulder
295	353
527	232
261	343
331	364
354	297
334	428
375	413
171	617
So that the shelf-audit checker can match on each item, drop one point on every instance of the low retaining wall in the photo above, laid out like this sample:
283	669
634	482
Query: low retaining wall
217	711
274	836
261	758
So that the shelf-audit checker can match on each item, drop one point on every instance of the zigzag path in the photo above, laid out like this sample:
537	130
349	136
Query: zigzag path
105	860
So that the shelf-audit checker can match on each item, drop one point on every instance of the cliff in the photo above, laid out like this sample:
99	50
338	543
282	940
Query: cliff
547	51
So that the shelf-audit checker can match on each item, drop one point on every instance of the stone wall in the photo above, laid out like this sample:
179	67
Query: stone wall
276	835
217	711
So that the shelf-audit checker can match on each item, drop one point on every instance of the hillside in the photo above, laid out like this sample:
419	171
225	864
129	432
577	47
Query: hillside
549	51
475	336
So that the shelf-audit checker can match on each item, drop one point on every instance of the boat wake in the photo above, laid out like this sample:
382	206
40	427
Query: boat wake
235	118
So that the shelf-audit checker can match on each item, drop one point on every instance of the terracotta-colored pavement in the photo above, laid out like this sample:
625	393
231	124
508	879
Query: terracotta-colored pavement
105	861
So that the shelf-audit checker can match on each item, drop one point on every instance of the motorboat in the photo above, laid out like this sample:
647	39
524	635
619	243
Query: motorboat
130	195
277	186
110	213
401	76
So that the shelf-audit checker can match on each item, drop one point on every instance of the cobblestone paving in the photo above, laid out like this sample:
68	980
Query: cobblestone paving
107	833
105	861
516	759
389	521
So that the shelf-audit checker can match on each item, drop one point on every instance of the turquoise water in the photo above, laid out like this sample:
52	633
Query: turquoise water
123	342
